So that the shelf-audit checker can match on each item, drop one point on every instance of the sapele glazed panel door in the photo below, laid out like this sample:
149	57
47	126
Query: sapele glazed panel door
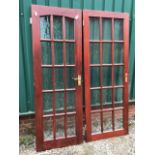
105	73
57	59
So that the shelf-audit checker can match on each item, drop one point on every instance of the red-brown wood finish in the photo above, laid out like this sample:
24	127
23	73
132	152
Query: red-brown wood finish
126	74
100	14
113	78
75	14
37	80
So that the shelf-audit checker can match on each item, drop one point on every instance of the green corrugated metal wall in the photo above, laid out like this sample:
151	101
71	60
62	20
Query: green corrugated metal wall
26	100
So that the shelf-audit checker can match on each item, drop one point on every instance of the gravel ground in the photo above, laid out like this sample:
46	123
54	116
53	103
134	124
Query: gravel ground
122	145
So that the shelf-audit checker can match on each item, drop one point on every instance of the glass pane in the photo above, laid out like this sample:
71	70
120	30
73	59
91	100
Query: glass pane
70	83
70	101
45	27
94	53
71	126
46	78
118	75
59	83
94	28
58	54
107	97
47	102
118	119
118	96
118	24
95	98
59	101
96	123
106	76
95	76
57	27
60	127
106	50
47	124
69	53
106	28
107	121
118	53
46	53
69	28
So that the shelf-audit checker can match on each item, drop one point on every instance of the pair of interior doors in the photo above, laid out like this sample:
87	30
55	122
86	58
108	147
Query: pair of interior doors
80	63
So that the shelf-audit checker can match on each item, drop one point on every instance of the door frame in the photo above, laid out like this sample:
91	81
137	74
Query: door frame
76	14
86	29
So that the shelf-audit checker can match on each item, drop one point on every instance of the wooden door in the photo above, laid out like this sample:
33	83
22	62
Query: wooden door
57	60
105	73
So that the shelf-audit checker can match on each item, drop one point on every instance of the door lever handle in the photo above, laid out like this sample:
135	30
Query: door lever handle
78	79
126	77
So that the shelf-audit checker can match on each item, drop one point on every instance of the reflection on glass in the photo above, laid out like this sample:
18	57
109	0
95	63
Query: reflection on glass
118	25
69	28
95	77
106	49
59	101
95	123
46	78
60	127
70	83
47	102
118	53
118	73
118	119
45	27
69	53
59	83
106	28
106	76
94	28
71	126
118	95
48	131
94	53
58	54
57	27
70	101
46	53
107	96
95	98
107	121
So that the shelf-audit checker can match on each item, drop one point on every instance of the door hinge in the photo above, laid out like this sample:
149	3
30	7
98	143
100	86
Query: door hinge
30	20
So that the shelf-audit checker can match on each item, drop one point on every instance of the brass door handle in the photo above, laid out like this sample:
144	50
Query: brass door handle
126	77
78	79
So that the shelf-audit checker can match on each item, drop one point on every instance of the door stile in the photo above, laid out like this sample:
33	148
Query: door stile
37	80
78	56
86	74
126	70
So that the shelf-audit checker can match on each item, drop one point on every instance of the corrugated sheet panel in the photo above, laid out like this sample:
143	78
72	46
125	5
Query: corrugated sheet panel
26	100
